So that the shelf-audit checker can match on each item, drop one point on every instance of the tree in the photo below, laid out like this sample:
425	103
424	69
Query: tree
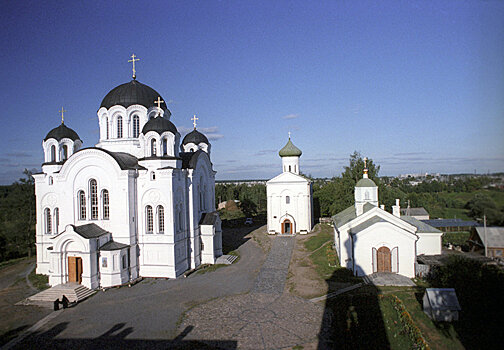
248	207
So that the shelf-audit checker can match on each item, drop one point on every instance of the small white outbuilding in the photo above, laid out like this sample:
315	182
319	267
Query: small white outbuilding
441	304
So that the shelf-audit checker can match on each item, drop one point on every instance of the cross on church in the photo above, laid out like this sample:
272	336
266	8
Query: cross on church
133	60
158	102
365	162
289	134
62	116
194	120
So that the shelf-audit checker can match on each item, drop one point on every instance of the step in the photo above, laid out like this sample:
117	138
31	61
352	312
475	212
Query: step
226	259
73	291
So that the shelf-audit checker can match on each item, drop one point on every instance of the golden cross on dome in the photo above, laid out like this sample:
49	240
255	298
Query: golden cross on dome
133	60
62	116
194	120
158	102
365	162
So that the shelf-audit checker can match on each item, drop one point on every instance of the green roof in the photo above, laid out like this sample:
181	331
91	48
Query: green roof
365	183
290	150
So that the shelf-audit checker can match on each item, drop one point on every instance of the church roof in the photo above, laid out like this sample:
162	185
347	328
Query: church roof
189	159
349	214
366	224
209	218
290	150
365	182
195	137
111	245
159	125
132	93
89	230
62	132
125	161
422	227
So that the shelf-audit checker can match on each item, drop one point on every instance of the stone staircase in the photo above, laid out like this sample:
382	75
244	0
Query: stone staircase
226	259
73	291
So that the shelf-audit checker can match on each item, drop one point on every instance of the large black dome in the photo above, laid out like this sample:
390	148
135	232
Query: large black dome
132	93
195	137
159	125
62	132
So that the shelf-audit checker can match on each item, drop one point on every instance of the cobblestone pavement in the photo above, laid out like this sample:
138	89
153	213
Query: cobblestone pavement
388	279
266	318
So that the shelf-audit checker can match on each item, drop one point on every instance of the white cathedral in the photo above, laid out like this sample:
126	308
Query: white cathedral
289	196
132	206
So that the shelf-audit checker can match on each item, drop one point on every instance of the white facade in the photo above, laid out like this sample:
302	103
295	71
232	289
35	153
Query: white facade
129	207
369	239
289	198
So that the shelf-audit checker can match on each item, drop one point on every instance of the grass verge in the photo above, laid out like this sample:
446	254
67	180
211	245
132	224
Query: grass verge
39	281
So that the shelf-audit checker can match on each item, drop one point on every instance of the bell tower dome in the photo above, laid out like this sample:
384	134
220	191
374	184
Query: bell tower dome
290	157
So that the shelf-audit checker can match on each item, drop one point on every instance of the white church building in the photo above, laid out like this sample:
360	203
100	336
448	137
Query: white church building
289	196
369	239
138	204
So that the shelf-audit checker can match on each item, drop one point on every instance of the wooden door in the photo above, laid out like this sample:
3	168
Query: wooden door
286	226
384	260
74	269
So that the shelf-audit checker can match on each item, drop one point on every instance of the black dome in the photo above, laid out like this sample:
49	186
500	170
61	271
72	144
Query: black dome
195	137
132	93
62	132
159	125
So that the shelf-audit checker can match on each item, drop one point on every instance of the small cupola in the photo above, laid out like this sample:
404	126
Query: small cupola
160	138
60	143
195	140
366	191
290	157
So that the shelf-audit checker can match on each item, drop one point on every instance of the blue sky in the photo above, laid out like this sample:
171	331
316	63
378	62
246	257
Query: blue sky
418	86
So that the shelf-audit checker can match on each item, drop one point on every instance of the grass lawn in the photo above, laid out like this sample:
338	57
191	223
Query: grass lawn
39	281
325	235
457	238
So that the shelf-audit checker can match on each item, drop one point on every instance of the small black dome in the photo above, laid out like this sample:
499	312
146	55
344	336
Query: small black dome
159	125
132	93
195	137
62	132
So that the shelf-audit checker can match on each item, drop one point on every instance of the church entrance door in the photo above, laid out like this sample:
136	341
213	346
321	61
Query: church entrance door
287	226
74	269
384	260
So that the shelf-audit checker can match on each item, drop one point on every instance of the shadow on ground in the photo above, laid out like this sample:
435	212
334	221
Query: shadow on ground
115	338
234	233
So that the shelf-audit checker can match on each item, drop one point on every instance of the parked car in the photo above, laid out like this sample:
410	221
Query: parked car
248	221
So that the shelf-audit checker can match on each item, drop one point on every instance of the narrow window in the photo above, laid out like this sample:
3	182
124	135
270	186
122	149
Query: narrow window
180	223
160	212
153	148
153	176
106	207
48	222
165	147
287	200
56	220
149	219
124	261
81	198
107	128
50	180
53	153
136	126
289	168
64	152
93	190
119	128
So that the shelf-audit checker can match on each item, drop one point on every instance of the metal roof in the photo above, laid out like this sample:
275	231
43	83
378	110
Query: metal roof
209	218
494	236
125	160
132	93
90	230
62	132
289	150
111	245
195	137
365	182
450	223
344	216
368	223
159	125
414	211
422	227
443	299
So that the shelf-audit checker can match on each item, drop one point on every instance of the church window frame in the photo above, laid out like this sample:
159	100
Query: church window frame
136	125
48	221
124	262
165	146
290	168
50	181
105	204
149	219
53	154
161	219
56	220
64	152
119	127
153	147
81	199
153	175
287	199
107	131
93	198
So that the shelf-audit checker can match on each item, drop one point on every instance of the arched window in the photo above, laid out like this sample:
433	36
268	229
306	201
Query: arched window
50	180
136	126
81	198
149	220
180	223
107	128
64	152
152	176
287	200
153	148
366	195
53	153
160	213
165	147
93	190
48	222
106	207
56	220
289	168
119	128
